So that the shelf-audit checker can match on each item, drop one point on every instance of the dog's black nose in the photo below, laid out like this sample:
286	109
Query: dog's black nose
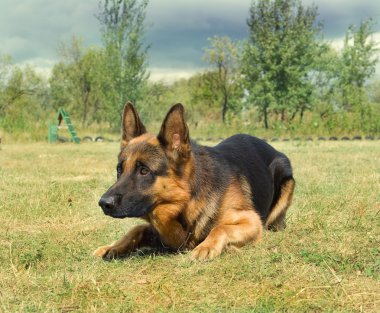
107	203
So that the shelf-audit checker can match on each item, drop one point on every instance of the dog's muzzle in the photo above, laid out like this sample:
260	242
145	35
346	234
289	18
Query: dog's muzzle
108	204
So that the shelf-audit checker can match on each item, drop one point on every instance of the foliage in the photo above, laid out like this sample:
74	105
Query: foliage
125	54
76	81
5	72
279	55
374	92
357	66
223	54
22	97
324	79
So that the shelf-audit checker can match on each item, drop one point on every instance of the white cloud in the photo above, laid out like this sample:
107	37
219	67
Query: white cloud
338	44
169	75
42	66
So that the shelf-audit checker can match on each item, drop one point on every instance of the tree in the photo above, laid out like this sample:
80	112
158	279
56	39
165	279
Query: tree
125	55
205	97
5	72
74	82
204	89
358	64
60	87
279	56
20	83
374	93
324	79
21	97
223	54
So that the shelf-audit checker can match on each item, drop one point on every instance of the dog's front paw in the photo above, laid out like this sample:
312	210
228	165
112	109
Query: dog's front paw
102	251
108	253
205	252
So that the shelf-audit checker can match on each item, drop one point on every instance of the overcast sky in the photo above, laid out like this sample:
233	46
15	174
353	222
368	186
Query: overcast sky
30	30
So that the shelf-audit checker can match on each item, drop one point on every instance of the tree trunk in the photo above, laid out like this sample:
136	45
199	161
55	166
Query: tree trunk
225	106
301	113
265	118
85	108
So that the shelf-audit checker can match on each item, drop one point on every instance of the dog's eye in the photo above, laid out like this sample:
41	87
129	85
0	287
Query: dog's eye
144	170
119	170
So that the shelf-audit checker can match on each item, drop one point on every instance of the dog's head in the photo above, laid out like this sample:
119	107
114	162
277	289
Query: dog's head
150	168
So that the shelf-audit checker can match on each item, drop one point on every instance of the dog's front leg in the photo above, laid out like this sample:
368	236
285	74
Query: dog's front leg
139	236
236	228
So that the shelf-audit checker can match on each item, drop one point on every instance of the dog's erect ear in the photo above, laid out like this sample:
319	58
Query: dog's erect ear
131	125
174	133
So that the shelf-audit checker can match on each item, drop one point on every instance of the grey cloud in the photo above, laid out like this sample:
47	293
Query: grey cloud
31	29
180	30
338	15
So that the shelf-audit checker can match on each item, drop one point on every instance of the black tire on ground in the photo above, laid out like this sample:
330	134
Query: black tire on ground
62	139
99	139
87	138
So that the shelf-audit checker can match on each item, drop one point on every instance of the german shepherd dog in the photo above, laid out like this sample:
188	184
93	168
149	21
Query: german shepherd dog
193	197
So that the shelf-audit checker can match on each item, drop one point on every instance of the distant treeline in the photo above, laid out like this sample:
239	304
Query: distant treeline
283	78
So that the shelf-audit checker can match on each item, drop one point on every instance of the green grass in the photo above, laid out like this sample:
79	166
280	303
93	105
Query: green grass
327	260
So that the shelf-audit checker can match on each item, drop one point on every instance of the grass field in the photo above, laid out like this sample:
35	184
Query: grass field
327	260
